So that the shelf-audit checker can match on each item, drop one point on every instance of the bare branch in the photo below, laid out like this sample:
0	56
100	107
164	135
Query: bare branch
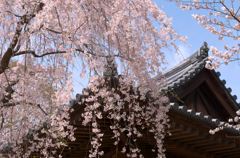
38	56
39	106
13	14
2	122
8	96
230	12
24	20
54	31
11	104
103	56
62	52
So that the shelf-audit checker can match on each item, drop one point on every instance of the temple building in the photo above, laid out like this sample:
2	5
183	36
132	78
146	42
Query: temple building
199	101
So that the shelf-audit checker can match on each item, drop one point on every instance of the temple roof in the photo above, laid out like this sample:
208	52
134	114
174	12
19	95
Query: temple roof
205	119
189	68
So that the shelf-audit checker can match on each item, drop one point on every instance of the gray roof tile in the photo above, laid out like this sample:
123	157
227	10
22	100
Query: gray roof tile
190	68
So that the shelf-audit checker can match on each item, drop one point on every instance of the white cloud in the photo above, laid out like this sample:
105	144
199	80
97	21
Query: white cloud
174	58
183	52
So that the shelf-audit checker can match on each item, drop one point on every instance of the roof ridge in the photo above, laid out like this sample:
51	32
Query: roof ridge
186	70
198	56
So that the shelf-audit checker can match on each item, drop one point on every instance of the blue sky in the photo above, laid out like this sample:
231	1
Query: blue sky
186	25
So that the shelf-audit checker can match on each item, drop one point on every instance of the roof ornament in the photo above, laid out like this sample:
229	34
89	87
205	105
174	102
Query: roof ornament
110	72
203	52
110	69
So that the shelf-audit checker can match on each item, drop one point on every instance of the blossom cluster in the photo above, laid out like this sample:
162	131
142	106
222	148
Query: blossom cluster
232	123
34	116
221	18
131	110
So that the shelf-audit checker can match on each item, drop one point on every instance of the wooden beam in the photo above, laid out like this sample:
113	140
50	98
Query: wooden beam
183	150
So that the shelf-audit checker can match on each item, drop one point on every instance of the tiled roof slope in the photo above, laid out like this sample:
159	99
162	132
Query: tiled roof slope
190	68
187	69
206	119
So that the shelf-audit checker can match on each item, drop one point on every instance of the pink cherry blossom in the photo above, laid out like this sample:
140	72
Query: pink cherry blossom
42	41
221	18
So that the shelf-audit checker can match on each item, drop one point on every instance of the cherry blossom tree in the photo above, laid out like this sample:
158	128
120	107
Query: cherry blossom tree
222	18
41	39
